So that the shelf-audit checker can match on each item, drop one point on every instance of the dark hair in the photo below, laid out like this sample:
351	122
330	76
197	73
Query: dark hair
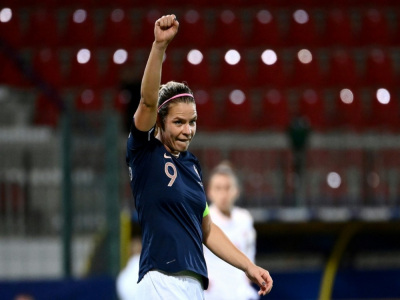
169	90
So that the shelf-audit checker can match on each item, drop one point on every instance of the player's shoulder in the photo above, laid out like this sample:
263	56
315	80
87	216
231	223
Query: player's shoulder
242	214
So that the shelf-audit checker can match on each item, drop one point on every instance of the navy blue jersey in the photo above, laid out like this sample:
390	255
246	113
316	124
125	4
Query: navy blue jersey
170	201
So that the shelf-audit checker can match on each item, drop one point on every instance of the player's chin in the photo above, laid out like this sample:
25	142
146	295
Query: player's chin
182	146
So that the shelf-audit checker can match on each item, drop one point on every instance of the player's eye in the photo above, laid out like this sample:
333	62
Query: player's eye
177	122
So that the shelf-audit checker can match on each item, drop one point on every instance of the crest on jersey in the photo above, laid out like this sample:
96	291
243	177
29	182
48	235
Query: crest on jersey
130	173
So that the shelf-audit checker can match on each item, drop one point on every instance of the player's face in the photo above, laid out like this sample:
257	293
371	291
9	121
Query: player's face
223	191
179	127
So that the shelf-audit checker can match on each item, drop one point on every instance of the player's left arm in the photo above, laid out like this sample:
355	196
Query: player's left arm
216	240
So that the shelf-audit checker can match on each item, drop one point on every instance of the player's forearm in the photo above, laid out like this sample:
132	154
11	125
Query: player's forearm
221	246
152	75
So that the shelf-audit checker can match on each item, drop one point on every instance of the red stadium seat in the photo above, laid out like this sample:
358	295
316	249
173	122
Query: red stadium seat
228	30
192	30
208	116
10	29
121	101
379	69
238	111
275	113
146	37
47	64
168	72
80	30
118	30
385	110
10	74
342	71
42	30
196	70
311	107
117	63
374	28
89	100
233	70
269	70
302	30
306	70
84	70
265	30
46	112
338	29
348	110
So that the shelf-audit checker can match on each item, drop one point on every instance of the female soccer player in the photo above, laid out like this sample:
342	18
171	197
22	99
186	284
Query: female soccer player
227	282
166	181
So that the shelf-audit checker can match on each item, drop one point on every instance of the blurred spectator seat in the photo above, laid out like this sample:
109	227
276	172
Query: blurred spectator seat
306	70
374	28
269	70
168	72
311	107
84	70
146	37
208	117
338	29
233	70
80	30
228	30
342	71
348	110
238	111
118	30
47	112
10	30
379	69
265	30
42	29
385	110
89	100
275	113
196	69
47	65
302	30
192	30
121	101
117	61
10	74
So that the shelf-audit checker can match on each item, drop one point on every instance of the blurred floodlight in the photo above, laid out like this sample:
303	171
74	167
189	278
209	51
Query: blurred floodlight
300	16
269	57
120	56
232	57
192	16
383	96
227	16
201	96
5	15
195	57
264	16
333	179
237	97
87	96
117	15
310	96
83	56
373	179
304	56
274	96
79	16
346	96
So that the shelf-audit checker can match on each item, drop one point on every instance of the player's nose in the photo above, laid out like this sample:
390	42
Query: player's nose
187	130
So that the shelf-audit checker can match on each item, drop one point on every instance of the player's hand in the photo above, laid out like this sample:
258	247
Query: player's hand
260	277
165	29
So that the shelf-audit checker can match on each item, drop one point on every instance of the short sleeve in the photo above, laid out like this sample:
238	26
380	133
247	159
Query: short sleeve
138	138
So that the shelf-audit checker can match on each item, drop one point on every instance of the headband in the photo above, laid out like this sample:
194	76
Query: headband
176	96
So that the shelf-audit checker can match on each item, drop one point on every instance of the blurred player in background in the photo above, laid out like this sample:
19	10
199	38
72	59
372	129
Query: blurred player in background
227	282
128	277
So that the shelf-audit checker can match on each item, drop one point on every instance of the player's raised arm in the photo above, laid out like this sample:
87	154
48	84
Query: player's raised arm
146	114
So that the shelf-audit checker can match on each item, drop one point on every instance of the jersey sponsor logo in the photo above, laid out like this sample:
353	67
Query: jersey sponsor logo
166	156
169	175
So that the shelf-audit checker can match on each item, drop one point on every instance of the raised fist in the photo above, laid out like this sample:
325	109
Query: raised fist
165	29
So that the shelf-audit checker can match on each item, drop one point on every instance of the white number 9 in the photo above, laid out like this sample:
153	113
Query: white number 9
171	176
